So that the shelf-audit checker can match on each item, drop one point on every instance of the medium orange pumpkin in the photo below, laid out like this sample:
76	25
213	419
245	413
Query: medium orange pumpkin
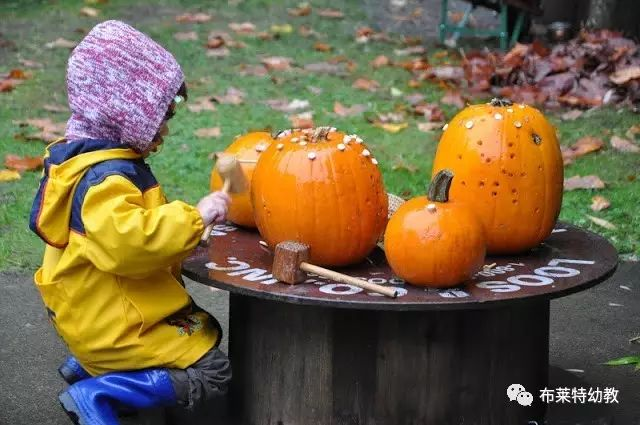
508	168
246	147
434	242
322	188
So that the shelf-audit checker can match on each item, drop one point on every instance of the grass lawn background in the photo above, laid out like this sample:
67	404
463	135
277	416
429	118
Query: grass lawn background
183	167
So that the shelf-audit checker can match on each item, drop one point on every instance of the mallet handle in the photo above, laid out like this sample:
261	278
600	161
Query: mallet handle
204	239
343	278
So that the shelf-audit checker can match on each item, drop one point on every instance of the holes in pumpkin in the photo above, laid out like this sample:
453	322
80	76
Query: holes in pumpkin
496	184
482	155
514	191
464	183
513	155
494	193
537	210
539	167
523	174
510	144
481	183
488	160
479	142
514	201
459	156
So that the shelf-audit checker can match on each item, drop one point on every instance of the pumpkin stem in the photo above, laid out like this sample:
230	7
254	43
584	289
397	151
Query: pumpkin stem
321	133
439	188
501	102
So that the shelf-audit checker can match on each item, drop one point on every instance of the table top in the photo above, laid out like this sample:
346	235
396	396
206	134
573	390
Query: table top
570	260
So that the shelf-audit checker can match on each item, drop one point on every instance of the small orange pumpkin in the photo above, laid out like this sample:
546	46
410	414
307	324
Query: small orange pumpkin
508	167
246	147
322	188
431	241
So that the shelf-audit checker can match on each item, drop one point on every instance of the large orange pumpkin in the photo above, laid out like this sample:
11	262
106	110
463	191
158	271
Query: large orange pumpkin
322	188
431	241
508	168
245	147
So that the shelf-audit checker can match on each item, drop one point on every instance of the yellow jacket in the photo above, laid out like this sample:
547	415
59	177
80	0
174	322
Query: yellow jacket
112	241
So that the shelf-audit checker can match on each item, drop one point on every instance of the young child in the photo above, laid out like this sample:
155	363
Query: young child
112	239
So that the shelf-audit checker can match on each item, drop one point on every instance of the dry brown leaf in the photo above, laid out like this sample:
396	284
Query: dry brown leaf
303	120
326	68
232	96
580	148
277	63
413	50
202	103
401	164
186	36
221	52
583	182
446	72
430	126
331	13
454	98
18	74
380	61
27	163
571	115
626	74
91	12
633	131
49	130
602	222
414	98
303	9
344	111
284	105
253	70
55	108
212	132
62	43
8	175
8	84
624	145
430	111
414	84
322	47
242	27
366	84
216	42
29	63
390	127
193	18
599	203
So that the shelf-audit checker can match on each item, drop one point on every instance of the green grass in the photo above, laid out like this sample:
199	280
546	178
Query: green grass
185	174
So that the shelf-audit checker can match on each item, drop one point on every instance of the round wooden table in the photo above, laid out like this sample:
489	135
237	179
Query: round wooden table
323	353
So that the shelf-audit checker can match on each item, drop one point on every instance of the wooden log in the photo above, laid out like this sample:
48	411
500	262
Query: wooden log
310	365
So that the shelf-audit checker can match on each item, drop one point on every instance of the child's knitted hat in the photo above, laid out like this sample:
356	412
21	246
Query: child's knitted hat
120	85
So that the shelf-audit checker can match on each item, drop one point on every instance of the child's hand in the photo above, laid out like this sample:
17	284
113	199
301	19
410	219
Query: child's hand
214	207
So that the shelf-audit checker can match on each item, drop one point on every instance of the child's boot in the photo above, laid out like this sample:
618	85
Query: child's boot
94	401
71	370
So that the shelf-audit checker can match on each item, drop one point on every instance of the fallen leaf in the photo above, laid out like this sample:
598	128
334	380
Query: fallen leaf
380	61
331	13
315	90
429	126
303	120
29	63
571	115
580	148
221	52
186	36
49	130
430	111
391	128
599	203
202	103
401	164
624	75
343	111
89	11
8	85
414	98
322	47
454	73
413	50
454	98
61	43
303	9
277	63
326	68
624	145
27	163
253	70
9	175
414	84
366	84
18	74
55	108
232	96
282	29
242	28
212	132
602	222
193	18
586	182
632	132
284	105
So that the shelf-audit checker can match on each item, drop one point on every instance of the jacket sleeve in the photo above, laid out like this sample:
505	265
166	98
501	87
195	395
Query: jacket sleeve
125	238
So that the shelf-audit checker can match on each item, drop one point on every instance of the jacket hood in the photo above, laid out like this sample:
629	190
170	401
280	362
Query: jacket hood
120	84
64	165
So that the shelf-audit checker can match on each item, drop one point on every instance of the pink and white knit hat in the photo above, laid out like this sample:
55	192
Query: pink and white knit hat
120	84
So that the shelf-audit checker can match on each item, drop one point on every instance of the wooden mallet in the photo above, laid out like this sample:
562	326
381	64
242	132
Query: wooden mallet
234	182
290	266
